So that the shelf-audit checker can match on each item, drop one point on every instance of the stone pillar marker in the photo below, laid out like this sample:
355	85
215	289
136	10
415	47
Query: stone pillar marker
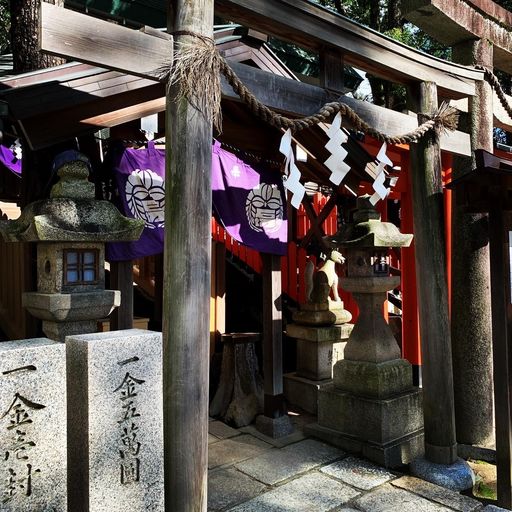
115	421
372	406
33	458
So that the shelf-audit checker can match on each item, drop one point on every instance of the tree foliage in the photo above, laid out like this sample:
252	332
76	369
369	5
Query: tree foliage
5	22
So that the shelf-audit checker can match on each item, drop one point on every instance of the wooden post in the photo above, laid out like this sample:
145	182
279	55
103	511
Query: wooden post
274	406
156	321
501	332
331	70
186	292
438	402
121	278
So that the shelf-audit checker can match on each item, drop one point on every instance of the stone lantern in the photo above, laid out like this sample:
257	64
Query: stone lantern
371	406
71	228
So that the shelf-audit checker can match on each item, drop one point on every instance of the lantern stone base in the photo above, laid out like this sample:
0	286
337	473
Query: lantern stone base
390	455
66	314
59	330
375	380
388	431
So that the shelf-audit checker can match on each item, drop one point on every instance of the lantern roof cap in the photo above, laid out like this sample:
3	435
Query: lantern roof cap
71	213
368	230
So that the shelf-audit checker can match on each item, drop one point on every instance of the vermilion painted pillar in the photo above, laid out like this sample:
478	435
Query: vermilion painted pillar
410	321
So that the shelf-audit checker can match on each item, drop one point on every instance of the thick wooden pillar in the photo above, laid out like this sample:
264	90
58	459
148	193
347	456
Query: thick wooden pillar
438	402
121	278
471	298
186	295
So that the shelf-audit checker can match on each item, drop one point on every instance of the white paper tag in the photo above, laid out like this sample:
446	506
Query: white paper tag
335	163
292	180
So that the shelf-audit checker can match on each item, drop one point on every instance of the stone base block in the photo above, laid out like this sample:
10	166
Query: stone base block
457	476
59	330
274	427
390	455
376	380
375	421
303	392
315	360
317	334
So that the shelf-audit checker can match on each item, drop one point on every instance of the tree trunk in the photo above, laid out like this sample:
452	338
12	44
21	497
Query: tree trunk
25	37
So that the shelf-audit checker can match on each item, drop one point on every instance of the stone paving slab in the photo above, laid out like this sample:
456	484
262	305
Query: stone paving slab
391	499
278	465
493	508
311	492
235	449
358	473
438	494
228	487
221	430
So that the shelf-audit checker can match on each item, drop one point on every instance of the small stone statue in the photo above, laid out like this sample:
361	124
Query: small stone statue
325	280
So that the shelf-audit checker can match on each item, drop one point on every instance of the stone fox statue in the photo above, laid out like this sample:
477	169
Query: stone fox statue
319	285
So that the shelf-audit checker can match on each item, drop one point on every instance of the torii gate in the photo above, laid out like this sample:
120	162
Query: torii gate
186	298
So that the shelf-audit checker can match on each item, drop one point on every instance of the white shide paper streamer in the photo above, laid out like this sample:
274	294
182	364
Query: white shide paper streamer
292	180
335	163
381	191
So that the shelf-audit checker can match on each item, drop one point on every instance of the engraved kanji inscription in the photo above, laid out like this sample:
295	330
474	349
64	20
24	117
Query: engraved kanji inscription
129	447
19	472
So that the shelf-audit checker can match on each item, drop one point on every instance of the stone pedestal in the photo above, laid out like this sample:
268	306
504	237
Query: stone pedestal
319	346
371	407
115	421
33	463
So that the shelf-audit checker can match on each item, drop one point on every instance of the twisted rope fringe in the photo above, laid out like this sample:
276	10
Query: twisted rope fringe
493	80
196	71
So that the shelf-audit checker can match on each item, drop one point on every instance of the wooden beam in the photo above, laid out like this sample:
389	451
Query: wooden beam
300	99
65	32
313	27
428	212
291	96
187	278
279	93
